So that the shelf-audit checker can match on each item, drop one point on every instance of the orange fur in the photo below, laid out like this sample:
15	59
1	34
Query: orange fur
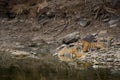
73	51
87	45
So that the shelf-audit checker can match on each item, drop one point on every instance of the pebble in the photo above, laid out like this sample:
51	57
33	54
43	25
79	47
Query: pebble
110	60
84	22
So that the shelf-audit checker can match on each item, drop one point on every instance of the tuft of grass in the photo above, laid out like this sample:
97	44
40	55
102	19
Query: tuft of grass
31	7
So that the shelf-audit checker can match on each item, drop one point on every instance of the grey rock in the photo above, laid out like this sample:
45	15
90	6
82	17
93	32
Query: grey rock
118	54
70	38
116	60
84	22
114	25
106	20
110	59
18	53
116	43
113	21
90	37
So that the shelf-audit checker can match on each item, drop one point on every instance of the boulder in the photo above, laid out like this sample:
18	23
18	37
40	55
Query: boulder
90	38
70	38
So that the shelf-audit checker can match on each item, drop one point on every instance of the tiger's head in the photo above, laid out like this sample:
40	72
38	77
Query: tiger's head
100	45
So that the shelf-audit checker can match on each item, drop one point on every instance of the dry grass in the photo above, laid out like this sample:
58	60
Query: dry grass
31	7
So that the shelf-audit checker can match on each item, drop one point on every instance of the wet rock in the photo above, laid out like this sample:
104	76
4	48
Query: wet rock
70	38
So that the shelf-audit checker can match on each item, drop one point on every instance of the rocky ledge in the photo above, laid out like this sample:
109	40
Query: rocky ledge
102	58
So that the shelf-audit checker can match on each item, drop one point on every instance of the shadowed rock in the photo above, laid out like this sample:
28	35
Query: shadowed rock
70	38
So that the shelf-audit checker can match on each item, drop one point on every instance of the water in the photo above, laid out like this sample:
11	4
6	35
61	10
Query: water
48	73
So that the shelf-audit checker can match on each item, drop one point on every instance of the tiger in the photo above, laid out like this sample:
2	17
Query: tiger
72	51
87	46
90	42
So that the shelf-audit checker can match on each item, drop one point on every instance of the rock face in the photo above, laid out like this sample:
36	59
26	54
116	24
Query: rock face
70	38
